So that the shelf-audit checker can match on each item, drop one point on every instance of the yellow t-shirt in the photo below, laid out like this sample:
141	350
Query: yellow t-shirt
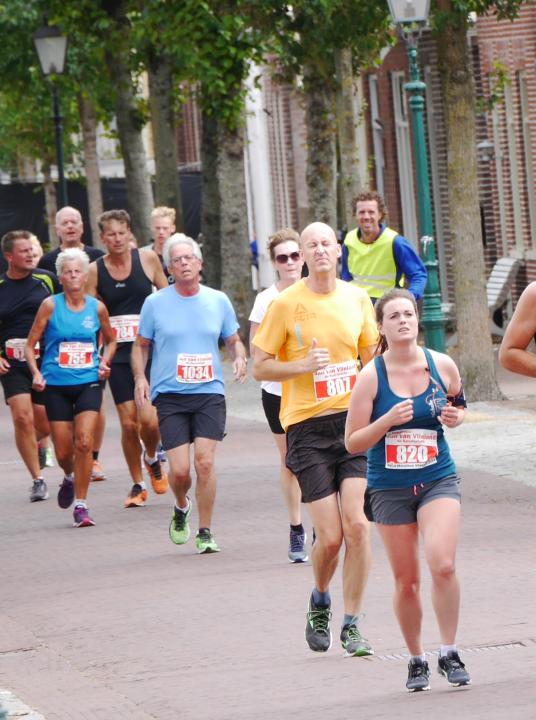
342	321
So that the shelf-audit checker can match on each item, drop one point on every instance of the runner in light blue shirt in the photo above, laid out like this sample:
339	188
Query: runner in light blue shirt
184	332
183	325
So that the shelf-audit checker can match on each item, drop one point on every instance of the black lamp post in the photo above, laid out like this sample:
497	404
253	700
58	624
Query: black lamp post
51	47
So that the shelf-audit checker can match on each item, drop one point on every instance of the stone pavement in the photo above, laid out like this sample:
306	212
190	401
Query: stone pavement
116	622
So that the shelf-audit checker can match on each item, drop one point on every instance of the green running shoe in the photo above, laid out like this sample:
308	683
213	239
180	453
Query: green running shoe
205	543
179	529
317	630
353	642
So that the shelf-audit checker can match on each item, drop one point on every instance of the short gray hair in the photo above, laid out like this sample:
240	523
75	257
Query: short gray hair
72	254
180	239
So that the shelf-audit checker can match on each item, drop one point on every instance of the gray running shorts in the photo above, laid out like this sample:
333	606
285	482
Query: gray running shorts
401	505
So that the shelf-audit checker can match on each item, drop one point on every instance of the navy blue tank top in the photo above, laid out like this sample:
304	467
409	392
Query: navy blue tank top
416	452
123	299
70	356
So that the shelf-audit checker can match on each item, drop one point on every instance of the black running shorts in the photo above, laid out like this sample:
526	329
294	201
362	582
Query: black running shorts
182	417
272	404
122	381
317	456
18	381
63	402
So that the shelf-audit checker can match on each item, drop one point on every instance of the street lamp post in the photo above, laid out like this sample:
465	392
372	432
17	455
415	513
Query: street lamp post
410	15
51	47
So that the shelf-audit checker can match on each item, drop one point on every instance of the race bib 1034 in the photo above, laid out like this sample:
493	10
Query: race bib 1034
194	368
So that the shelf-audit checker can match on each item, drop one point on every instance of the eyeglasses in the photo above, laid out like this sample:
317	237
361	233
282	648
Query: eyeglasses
282	259
186	258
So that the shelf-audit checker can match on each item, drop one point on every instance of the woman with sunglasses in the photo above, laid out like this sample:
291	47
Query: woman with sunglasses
398	408
288	263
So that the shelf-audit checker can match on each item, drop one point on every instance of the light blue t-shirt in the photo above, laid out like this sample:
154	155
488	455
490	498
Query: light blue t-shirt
185	333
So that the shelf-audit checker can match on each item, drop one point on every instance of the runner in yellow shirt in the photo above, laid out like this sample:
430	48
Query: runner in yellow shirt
310	339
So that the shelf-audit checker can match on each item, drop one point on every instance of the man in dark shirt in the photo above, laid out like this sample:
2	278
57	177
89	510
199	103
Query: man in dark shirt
22	290
69	229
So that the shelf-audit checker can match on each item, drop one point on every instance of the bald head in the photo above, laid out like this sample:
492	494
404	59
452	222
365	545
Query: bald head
317	229
320	249
69	227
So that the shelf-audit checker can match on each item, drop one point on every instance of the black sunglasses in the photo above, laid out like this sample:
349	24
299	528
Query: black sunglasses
282	259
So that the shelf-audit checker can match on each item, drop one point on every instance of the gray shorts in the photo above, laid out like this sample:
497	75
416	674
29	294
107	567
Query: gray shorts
400	506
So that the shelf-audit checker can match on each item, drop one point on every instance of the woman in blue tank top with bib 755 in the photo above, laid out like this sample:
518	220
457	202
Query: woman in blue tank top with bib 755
70	374
398	408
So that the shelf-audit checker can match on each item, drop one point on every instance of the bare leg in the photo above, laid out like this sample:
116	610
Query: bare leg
289	483
130	438
23	423
205	488
84	433
99	431
326	519
149	431
62	437
179	477
42	428
401	545
439	522
356	532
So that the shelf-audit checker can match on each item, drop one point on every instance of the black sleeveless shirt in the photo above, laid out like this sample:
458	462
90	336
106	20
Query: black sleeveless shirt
123	297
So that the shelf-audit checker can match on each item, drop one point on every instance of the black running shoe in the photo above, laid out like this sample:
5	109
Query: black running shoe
418	676
317	632
453	669
66	493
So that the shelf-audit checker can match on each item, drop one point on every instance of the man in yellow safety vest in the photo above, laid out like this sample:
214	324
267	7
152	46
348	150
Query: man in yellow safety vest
377	258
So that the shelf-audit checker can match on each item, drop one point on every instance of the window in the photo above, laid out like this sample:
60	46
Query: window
527	154
377	134
405	159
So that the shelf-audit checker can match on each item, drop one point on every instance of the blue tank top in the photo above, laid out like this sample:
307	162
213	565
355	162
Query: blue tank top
416	452
71	356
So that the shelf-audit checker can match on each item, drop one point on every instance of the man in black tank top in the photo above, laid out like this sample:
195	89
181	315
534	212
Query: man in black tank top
22	290
122	279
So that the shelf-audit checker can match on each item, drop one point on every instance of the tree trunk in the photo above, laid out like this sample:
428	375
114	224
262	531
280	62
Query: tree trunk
347	121
225	217
474	338
211	205
321	171
167	183
51	205
130	123
91	165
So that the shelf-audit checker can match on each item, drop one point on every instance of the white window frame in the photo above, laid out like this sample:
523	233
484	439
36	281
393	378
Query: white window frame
499	176
405	159
514	165
527	148
377	135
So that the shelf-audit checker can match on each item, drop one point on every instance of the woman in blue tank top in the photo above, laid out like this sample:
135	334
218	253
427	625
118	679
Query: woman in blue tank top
70	375
398	409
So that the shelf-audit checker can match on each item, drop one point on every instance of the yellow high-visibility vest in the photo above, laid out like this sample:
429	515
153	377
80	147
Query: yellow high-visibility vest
372	265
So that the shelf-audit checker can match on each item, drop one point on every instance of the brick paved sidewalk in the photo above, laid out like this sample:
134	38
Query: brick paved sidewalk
115	622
